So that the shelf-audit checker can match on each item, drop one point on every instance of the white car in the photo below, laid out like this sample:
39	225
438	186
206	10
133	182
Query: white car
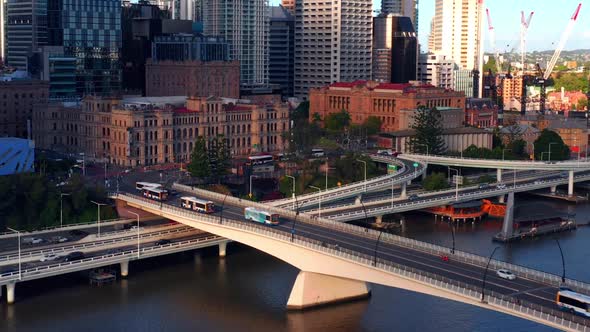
505	274
36	240
501	186
61	239
48	257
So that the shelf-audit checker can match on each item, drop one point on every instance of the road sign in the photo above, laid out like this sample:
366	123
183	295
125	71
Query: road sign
457	179
415	164
391	169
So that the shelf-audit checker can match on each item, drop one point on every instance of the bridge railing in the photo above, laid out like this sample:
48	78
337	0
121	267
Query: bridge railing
408	156
67	227
433	249
434	280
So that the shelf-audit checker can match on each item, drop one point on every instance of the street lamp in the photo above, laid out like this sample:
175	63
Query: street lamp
319	201
503	150
542	153
329	168
456	183
533	144
251	176
98	219
294	220
365	163
485	273
293	191
137	215
19	257
550	149
453	234
562	261
426	145
61	209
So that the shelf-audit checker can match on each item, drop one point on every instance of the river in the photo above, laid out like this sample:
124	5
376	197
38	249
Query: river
247	290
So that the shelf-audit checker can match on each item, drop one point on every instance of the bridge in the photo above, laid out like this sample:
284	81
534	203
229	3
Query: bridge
337	260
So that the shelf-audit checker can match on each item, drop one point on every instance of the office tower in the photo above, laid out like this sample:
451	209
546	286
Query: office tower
26	30
394	49
407	8
282	49
457	33
332	43
2	30
436	69
89	30
245	26
289	5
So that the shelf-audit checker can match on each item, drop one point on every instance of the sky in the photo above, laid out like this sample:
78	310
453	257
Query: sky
549	21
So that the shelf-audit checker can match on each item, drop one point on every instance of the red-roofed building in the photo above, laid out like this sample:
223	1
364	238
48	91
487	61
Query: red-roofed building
566	100
386	101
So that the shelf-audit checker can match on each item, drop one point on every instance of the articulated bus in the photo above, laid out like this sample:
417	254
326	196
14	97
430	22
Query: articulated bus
141	185
262	217
193	203
260	160
158	194
573	302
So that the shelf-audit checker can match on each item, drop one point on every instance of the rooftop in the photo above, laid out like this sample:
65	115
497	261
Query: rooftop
449	131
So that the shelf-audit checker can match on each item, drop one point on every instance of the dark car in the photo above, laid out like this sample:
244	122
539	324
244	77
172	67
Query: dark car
162	242
129	225
74	256
483	186
413	197
77	232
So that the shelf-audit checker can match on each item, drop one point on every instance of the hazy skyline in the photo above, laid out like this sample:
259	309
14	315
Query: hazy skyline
506	20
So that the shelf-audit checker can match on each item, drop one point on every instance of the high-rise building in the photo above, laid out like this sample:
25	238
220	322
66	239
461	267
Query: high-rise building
457	33
282	49
245	26
26	30
2	30
89	30
436	69
394	49
332	42
407	8
289	5
18	96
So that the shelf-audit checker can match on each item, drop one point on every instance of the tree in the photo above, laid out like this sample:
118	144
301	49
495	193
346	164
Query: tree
518	147
582	104
373	125
571	82
490	65
199	165
219	158
336	122
435	181
429	131
559	151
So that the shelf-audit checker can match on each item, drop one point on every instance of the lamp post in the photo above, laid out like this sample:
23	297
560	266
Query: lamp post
98	213
222	208
365	163
533	144
327	169
319	200
427	147
250	193
485	273
456	184
550	149
19	256
562	261
294	220
137	215
453	235
542	153
503	150
61	209
293	191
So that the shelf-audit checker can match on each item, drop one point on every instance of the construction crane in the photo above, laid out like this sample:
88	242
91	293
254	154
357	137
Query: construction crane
524	28
492	35
543	78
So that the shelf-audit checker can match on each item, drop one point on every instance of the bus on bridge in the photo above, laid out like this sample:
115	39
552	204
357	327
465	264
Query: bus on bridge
260	216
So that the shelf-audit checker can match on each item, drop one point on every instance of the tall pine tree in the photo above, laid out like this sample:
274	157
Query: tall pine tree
199	166
429	131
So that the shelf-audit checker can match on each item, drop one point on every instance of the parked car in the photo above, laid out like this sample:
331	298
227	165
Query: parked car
483	186
162	242
48	257
501	186
413	197
506	274
73	256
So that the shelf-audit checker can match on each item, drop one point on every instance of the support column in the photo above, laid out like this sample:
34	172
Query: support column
10	288
314	289
553	189
124	269
404	191
499	175
379	219
507	225
570	184
501	198
222	247
357	200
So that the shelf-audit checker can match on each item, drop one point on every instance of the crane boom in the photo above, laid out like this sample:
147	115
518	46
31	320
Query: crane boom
562	41
492	34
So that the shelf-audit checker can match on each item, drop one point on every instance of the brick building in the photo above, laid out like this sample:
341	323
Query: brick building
389	102
566	100
481	113
151	130
193	78
511	92
17	97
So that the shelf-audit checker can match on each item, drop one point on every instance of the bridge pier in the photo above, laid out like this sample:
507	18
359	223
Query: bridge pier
124	269
501	198
508	224
553	189
499	175
378	219
404	193
358	200
222	248
10	289
314	289
570	184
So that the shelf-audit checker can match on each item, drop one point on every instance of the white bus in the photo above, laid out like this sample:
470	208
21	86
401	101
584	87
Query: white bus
157	194
573	302
260	160
260	216
193	203
141	185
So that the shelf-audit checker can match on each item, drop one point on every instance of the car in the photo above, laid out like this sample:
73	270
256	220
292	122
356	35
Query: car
483	186
505	274
162	242
564	174
61	239
77	232
36	240
48	257
129	225
501	186
73	256
127	170
538	181
413	197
